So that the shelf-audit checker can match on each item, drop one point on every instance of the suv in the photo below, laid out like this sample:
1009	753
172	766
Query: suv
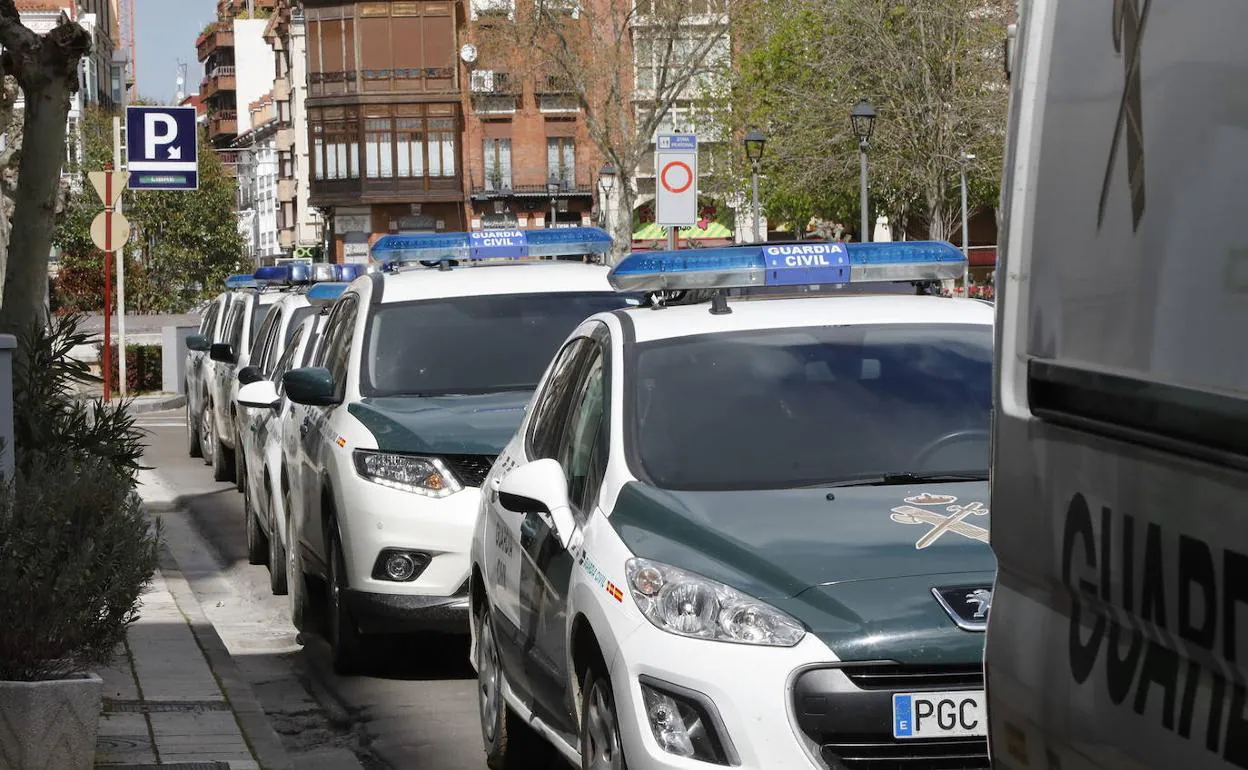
198	363
417	382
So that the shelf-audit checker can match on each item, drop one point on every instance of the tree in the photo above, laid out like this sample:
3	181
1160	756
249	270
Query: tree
184	243
589	46
932	68
46	69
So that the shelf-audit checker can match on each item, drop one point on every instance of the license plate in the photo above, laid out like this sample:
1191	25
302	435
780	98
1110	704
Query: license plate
959	714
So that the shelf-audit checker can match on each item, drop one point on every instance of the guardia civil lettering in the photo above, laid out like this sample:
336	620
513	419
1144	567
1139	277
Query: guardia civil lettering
1127	576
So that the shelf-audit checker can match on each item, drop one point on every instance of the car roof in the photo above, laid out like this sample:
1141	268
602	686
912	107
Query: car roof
485	280
292	298
757	314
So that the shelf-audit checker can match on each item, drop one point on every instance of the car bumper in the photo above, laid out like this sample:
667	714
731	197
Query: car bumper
777	708
377	519
397	613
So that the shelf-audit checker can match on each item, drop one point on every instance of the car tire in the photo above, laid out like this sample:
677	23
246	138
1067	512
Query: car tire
600	744
192	430
278	583
510	744
345	641
222	458
257	545
207	433
240	463
296	581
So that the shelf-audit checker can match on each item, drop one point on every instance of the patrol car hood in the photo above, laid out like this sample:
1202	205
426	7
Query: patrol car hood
849	568
467	425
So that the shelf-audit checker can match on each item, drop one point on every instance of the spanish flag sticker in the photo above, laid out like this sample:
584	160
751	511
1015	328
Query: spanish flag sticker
341	442
615	591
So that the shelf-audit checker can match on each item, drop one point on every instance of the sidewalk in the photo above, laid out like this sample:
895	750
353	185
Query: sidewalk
174	698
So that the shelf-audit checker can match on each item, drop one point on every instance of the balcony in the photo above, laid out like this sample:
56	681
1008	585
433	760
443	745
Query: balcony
223	123
494	83
219	79
355	192
285	139
214	37
281	89
489	10
285	190
286	238
554	84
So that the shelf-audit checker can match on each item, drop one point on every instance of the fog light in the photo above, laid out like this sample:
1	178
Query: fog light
681	725
399	566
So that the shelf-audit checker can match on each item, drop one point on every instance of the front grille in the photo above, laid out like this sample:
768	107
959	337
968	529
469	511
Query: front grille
870	753
907	678
471	470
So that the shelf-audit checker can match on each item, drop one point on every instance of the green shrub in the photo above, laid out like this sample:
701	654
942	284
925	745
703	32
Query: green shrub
76	551
143	368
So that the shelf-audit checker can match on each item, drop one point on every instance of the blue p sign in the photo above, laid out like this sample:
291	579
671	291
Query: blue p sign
161	148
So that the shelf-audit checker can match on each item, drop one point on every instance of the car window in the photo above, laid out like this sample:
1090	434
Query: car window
792	407
336	350
209	322
285	362
263	350
550	408
258	316
583	450
234	326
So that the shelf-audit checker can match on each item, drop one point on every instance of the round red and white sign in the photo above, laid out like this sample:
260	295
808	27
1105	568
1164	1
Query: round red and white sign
676	177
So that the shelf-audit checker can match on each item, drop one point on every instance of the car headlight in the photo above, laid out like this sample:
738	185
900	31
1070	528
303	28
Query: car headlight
686	604
427	476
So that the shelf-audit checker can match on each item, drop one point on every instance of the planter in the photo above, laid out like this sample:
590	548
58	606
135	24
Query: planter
50	725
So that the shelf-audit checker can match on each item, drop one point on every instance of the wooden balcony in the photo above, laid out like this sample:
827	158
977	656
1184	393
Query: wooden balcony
219	79
222	124
214	38
347	192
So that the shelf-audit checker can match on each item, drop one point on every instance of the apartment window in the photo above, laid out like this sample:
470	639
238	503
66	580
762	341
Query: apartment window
402	45
399	141
409	135
379	147
498	164
561	159
442	147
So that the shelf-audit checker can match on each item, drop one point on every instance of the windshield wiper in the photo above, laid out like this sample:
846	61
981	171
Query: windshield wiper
908	477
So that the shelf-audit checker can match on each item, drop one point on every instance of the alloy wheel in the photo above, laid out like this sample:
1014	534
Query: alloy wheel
602	736
489	679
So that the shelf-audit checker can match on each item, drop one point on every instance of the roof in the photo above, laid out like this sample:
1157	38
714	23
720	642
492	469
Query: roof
753	314
531	278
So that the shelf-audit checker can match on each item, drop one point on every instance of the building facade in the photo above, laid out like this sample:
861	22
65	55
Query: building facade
258	181
385	121
237	36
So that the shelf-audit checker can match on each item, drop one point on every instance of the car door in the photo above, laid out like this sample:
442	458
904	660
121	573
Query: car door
223	373
506	533
581	451
314	437
195	365
254	423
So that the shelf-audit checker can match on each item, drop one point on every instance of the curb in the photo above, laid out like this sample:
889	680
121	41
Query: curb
263	740
158	405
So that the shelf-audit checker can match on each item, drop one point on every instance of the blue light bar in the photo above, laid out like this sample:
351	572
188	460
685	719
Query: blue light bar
273	274
491	244
237	282
788	264
325	293
348	273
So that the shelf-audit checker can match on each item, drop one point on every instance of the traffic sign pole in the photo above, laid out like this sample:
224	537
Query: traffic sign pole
121	272
108	284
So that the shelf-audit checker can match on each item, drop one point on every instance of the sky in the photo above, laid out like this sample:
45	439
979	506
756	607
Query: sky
165	31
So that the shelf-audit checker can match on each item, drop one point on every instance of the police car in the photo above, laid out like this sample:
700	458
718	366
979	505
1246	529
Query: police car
211	327
271	498
258	457
419	379
751	531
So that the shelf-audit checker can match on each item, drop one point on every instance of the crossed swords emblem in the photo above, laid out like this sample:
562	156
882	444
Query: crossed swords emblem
940	524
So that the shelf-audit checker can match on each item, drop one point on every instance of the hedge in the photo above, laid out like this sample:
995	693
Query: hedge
143	368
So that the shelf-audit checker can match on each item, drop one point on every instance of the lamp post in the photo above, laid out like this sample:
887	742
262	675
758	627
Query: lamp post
552	187
606	185
755	142
862	117
965	158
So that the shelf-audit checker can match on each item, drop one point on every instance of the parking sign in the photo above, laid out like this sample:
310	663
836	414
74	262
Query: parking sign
162	152
676	180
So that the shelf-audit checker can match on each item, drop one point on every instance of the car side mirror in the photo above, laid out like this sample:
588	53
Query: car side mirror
249	374
311	386
261	394
540	488
197	342
223	352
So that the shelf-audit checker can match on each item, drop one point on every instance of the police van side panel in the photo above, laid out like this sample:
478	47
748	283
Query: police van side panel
1120	619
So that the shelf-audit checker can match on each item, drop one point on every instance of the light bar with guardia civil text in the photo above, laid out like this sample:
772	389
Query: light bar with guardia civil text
483	245
238	282
788	264
326	293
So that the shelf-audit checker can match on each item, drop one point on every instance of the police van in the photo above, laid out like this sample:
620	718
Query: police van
747	531
1119	631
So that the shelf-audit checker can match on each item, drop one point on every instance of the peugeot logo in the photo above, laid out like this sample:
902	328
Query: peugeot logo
967	605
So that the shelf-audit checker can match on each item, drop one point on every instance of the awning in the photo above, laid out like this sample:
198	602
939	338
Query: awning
491	244
653	232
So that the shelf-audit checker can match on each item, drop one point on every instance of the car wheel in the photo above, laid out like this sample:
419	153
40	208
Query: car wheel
510	744
600	724
192	431
222	458
345	642
257	548
296	582
240	464
277	551
207	435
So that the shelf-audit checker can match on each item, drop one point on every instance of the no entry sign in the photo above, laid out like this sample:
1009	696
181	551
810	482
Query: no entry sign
676	180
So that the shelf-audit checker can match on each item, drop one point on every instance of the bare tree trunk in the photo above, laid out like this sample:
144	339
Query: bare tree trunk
46	67
622	237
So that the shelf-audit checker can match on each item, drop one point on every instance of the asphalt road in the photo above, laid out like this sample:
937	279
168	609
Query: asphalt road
417	709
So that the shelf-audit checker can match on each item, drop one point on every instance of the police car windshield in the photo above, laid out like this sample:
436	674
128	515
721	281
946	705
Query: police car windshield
787	408
472	345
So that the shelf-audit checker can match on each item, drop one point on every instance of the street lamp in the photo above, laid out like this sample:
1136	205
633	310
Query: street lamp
552	187
862	117
965	158
755	142
606	185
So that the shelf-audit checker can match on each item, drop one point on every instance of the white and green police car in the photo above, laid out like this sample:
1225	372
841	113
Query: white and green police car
751	532
199	366
419	379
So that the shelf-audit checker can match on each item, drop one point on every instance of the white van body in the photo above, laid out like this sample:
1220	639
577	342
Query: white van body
1119	629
